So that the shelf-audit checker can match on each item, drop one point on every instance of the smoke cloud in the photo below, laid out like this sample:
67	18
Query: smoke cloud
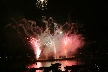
48	38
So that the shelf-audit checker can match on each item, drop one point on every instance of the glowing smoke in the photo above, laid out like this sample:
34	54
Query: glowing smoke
49	39
36	45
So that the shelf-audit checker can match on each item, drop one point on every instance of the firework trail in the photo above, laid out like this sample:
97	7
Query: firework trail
48	38
36	45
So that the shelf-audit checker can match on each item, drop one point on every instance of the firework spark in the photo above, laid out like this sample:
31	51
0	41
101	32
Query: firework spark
36	45
42	4
49	39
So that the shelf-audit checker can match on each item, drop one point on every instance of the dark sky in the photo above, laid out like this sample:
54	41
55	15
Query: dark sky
88	12
83	11
92	13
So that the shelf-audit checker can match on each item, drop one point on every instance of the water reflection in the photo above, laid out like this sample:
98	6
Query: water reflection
65	66
48	64
35	65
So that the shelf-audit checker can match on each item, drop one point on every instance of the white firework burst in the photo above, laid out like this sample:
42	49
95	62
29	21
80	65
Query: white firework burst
42	4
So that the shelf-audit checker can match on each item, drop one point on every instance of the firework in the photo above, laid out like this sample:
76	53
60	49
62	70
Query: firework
50	39
36	45
42	4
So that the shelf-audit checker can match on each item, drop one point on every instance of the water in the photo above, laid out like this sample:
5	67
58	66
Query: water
48	64
95	65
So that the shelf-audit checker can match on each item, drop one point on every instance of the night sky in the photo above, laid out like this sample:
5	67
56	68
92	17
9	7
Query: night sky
92	13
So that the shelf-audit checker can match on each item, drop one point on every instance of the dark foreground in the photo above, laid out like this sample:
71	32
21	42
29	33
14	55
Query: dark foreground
99	65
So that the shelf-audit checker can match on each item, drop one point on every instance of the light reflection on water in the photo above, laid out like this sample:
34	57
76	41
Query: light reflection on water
48	64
